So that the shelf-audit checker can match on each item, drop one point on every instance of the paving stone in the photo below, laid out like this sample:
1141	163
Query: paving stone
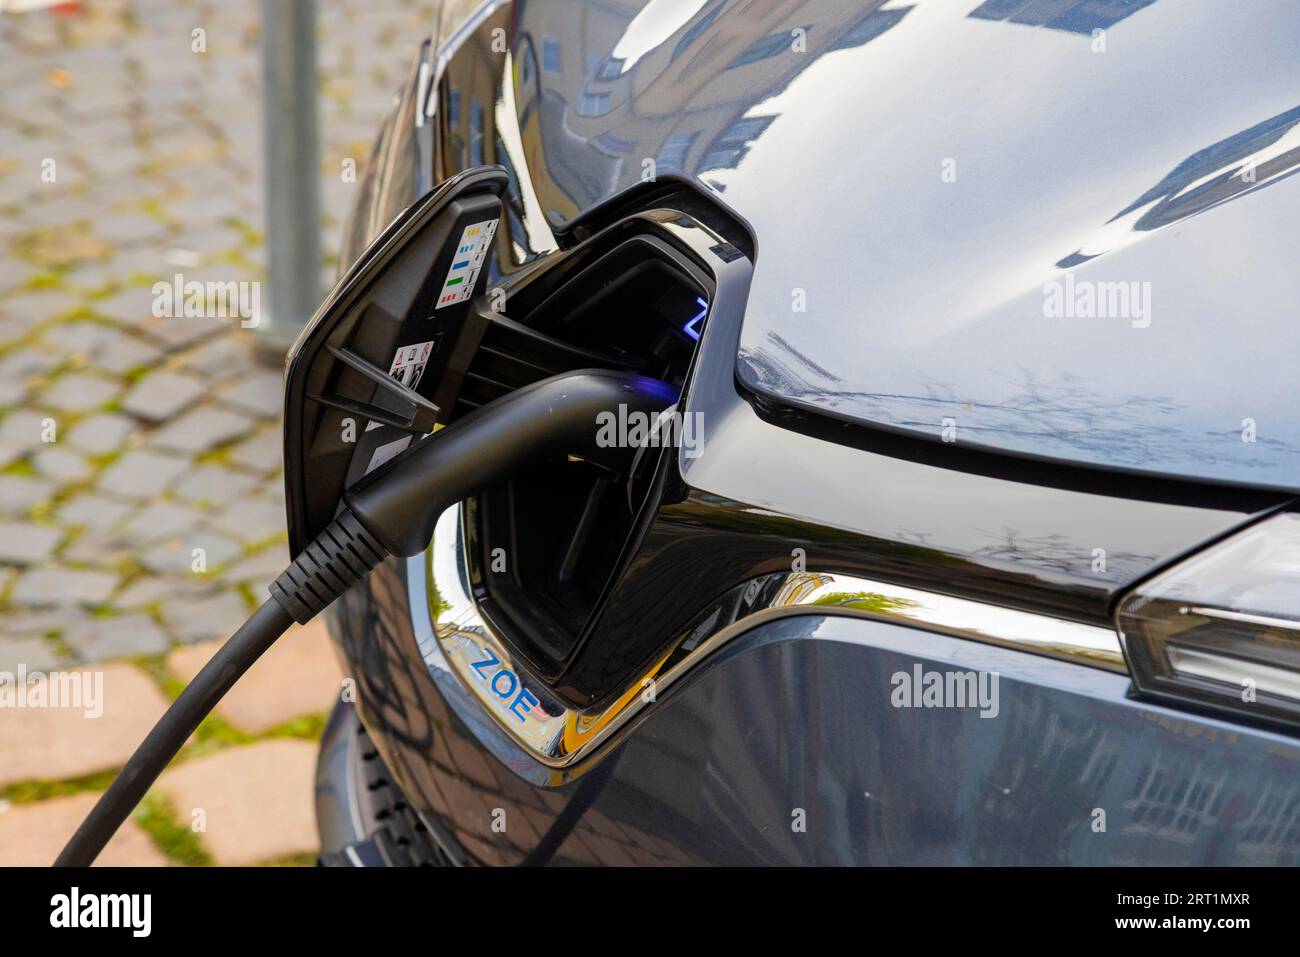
22	543
124	354
25	363
80	392
93	277
131	305
218	358
152	589
273	488
259	570
93	512
22	431
17	191
97	639
204	240
161	395
101	433
262	453
105	550
34	654
60	464
298	675
183	331
13	272
132	228
261	395
36	307
193	618
11	330
256	800
176	555
202	429
62	586
203	208
141	474
118	132
161	520
214	484
31	835
18	493
64	212
12	391
79	337
67	742
251	519
39	622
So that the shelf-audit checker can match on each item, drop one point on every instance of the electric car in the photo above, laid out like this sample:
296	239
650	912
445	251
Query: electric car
965	533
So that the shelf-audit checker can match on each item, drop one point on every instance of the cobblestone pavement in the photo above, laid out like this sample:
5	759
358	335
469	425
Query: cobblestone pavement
141	501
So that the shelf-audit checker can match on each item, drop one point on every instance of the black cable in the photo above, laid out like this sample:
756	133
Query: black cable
341	555
389	512
171	732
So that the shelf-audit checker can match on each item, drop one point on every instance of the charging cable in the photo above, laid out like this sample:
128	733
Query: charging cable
390	512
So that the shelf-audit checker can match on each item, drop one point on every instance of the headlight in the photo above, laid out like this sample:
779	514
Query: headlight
1223	627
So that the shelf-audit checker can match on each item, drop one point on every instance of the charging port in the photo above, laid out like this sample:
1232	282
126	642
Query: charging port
543	546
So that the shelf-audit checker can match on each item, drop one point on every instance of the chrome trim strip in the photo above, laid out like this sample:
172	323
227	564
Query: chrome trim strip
559	736
1224	614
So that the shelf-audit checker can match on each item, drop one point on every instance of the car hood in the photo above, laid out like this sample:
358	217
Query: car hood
1060	229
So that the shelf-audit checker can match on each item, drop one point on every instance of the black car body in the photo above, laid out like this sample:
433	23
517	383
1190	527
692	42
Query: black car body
858	237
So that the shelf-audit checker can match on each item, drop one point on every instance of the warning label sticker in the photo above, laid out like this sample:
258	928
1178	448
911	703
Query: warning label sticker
409	362
408	366
471	253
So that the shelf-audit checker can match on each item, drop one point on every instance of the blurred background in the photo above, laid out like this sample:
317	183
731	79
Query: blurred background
141	500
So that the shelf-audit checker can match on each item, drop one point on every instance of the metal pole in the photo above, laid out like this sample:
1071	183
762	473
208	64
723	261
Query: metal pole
292	170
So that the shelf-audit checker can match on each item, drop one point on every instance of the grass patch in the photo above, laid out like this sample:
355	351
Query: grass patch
60	644
129	569
220	455
52	279
35	789
21	466
104	460
157	817
249	596
307	727
259	545
136	373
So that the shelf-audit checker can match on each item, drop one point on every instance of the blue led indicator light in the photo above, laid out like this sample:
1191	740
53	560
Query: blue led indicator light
691	327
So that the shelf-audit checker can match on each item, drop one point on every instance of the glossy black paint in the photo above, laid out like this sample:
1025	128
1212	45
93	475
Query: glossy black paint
761	496
795	714
800	491
918	173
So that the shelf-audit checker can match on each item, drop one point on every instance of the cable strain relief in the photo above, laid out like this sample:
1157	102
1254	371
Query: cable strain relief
339	557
